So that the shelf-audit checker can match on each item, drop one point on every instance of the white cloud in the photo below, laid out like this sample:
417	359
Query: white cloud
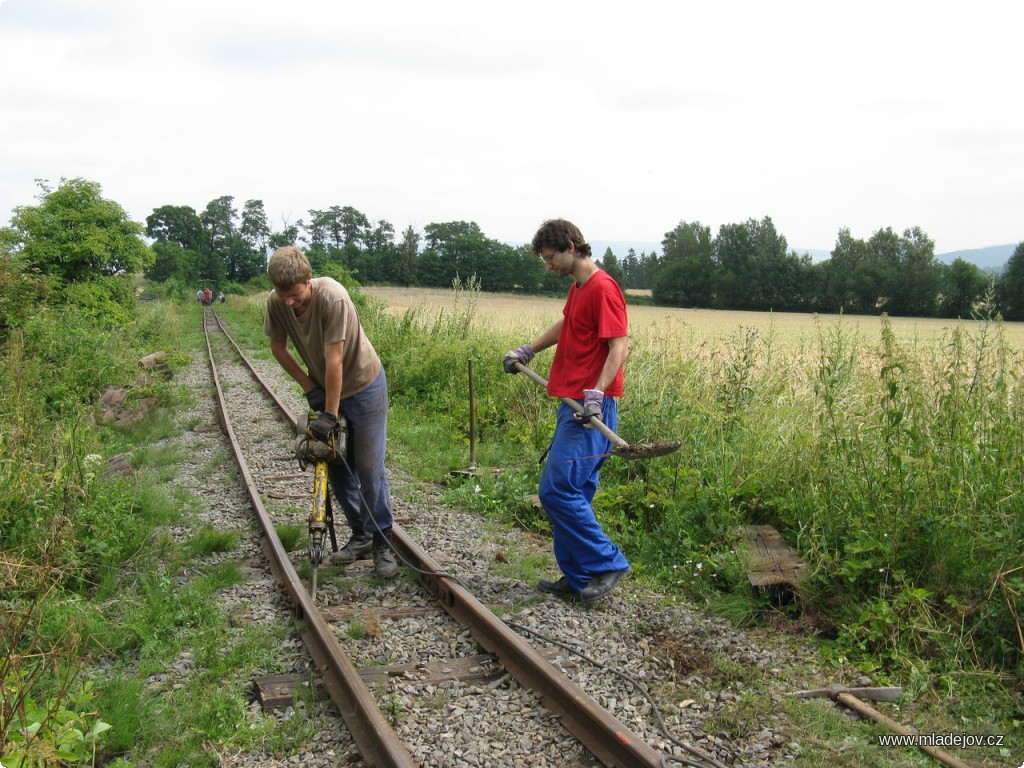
627	118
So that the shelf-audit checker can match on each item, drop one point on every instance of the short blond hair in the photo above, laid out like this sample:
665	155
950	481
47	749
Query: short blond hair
288	266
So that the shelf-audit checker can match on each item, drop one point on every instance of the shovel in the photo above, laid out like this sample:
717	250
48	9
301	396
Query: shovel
853	698
622	448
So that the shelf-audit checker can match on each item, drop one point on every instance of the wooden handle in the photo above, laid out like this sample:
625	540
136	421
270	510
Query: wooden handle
617	441
868	711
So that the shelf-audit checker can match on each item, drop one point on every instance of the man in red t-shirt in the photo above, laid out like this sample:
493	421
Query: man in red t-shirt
591	339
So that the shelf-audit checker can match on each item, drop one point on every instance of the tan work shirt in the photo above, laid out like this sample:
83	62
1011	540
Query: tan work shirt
331	317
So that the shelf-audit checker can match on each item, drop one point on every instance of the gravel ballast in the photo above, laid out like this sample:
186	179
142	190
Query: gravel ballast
716	688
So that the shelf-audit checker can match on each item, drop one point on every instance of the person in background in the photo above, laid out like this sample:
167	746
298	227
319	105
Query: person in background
591	338
200	296
343	375
207	296
220	297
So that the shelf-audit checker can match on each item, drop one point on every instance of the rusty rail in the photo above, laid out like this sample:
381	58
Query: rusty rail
372	733
609	740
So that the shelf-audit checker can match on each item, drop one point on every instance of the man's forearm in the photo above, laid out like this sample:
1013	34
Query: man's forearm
549	338
333	373
618	351
290	365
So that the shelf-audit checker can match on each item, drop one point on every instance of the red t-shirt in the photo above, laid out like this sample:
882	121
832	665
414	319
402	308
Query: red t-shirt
594	312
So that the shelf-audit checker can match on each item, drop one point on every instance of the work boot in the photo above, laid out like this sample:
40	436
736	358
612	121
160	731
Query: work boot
357	547
601	584
560	588
384	564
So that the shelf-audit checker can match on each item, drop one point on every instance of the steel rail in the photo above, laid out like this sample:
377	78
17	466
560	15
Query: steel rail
610	741
376	740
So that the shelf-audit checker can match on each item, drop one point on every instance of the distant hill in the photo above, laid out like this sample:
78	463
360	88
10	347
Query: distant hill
993	257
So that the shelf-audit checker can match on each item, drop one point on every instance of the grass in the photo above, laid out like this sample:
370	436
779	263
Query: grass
887	451
208	540
292	536
882	448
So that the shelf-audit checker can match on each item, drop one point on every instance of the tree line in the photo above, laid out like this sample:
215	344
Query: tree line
222	245
75	233
746	266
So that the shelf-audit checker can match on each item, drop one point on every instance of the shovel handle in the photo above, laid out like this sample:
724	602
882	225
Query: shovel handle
617	441
868	711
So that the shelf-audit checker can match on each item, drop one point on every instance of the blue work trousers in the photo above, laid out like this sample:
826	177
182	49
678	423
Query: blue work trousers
361	483
567	487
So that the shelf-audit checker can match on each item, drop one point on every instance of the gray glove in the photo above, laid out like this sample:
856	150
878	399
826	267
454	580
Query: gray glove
593	399
523	354
322	426
317	398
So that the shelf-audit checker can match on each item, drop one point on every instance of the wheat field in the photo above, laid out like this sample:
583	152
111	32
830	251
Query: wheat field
525	316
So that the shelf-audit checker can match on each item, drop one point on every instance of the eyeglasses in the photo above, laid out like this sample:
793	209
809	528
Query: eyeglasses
547	259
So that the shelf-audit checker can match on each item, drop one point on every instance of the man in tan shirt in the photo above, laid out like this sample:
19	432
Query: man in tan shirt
343	375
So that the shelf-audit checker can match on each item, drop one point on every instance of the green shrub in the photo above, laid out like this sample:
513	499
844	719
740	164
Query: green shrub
107	302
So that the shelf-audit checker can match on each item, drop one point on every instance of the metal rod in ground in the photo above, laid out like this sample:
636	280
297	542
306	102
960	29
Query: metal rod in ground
472	421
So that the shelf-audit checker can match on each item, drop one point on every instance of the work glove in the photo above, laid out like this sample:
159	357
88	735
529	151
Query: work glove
593	399
523	354
322	426
316	397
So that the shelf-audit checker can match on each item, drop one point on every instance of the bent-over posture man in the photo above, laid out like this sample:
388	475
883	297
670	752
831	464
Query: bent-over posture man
343	375
592	347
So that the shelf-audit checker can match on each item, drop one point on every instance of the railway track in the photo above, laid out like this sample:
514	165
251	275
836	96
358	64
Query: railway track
416	665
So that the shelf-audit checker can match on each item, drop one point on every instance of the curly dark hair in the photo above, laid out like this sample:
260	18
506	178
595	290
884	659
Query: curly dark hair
558	234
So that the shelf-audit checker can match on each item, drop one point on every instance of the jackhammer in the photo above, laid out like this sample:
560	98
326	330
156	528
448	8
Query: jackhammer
309	450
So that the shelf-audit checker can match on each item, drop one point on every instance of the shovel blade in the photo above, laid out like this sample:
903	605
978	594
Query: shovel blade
647	450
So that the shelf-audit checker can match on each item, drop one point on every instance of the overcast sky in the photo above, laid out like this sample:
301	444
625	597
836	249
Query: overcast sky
627	117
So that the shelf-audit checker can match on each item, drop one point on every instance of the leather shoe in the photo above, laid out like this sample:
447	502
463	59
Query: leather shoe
560	587
601	584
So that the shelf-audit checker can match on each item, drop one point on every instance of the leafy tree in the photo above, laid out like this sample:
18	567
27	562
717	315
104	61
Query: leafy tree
633	268
21	291
225	247
432	270
318	229
175	262
879	272
255	233
861	274
74	234
610	264
455	249
380	239
916	281
685	275
512	268
756	271
1010	288
337	227
177	224
289	235
399	265
651	265
525	272
370	261
353	226
219	222
963	285
838	289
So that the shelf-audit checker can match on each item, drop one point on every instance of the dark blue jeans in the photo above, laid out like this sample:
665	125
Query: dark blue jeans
361	483
567	487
